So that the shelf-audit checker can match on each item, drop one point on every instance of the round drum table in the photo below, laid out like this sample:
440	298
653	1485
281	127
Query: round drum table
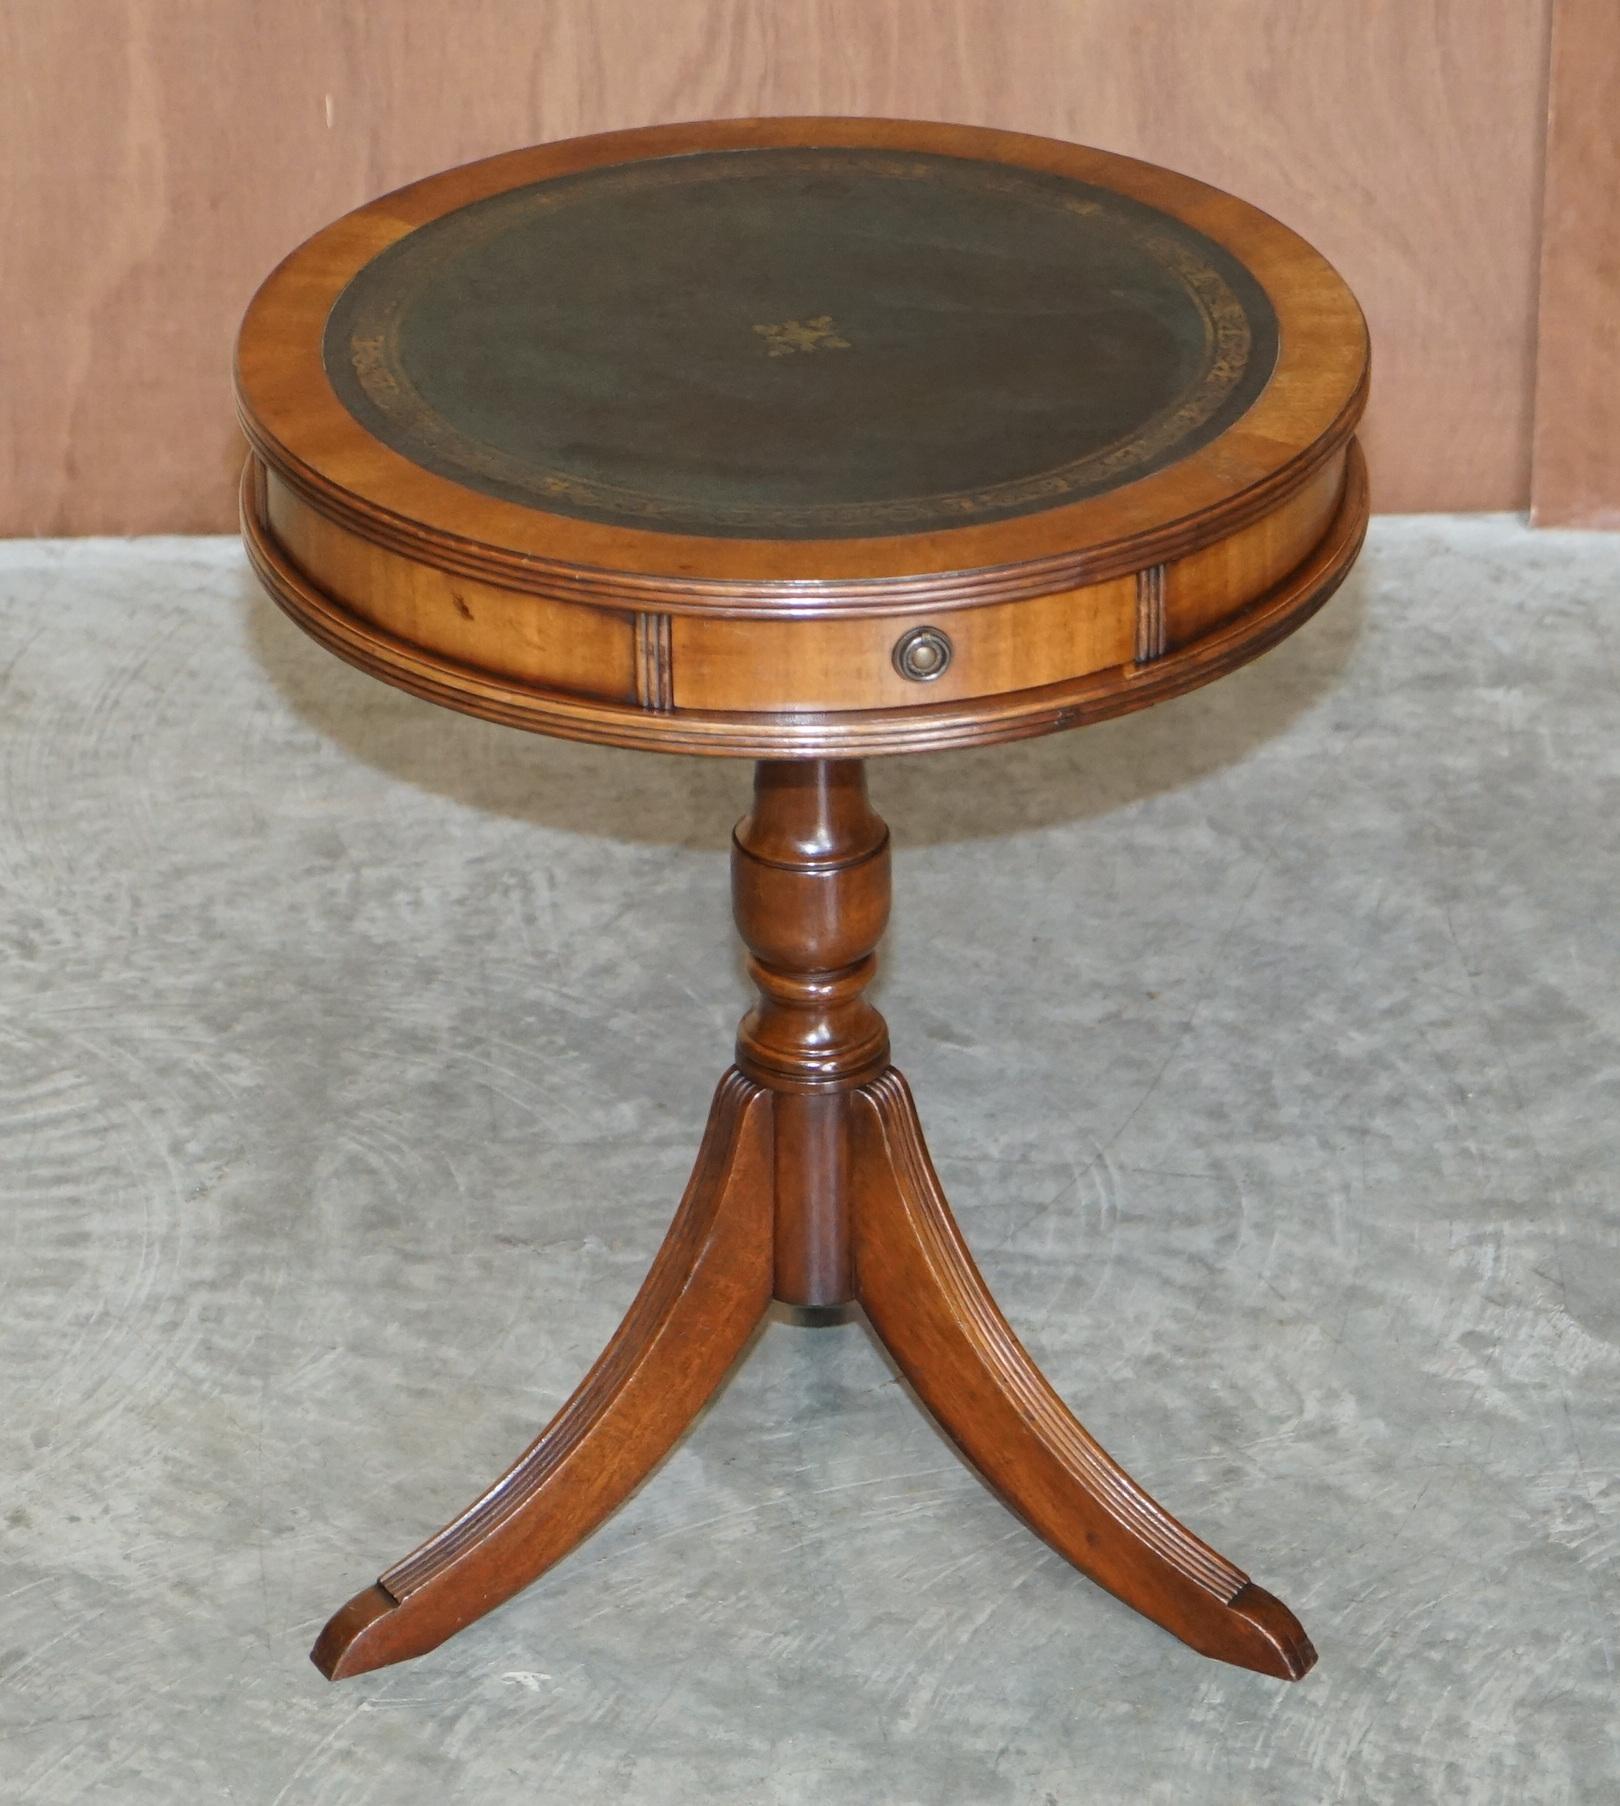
801	440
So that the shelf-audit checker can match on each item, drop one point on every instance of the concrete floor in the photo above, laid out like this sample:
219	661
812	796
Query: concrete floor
352	1056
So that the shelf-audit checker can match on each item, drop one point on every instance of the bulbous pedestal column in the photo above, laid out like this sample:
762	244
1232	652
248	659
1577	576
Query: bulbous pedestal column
814	1186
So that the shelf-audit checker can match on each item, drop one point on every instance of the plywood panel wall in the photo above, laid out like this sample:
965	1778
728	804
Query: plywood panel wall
1577	433
157	156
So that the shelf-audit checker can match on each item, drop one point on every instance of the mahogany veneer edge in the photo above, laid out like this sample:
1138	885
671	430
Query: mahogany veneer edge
1096	696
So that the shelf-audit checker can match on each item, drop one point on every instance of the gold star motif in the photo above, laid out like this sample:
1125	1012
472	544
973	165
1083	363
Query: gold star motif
818	334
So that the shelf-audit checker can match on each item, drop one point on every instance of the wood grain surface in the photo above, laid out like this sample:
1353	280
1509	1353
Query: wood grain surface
1577	427
933	1312
1091	604
764	734
163	154
701	1300
813	1149
1202	482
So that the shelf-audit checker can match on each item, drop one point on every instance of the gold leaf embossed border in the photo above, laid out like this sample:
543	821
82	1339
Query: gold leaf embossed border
1209	276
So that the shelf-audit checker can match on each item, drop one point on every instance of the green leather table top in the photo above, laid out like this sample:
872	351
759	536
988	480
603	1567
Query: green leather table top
800	343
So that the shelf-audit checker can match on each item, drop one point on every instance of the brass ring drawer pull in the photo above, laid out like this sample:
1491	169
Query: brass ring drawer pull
922	654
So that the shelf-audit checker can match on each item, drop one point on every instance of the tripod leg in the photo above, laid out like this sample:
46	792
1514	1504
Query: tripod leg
708	1286
929	1304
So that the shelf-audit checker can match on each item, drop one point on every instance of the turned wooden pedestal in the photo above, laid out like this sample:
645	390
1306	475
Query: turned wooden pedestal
813	1186
802	441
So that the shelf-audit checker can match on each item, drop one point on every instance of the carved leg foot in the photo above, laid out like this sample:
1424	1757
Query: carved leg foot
928	1303
706	1291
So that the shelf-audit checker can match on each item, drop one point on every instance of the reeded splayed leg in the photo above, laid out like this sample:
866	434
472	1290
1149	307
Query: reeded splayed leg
706	1290
927	1301
813	1185
859	1212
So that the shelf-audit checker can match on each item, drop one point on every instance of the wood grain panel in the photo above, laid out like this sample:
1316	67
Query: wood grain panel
808	734
1205	587
162	154
1577	428
558	645
848	664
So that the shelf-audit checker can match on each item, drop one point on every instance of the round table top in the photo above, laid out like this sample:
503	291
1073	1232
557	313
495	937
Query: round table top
803	366
792	343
